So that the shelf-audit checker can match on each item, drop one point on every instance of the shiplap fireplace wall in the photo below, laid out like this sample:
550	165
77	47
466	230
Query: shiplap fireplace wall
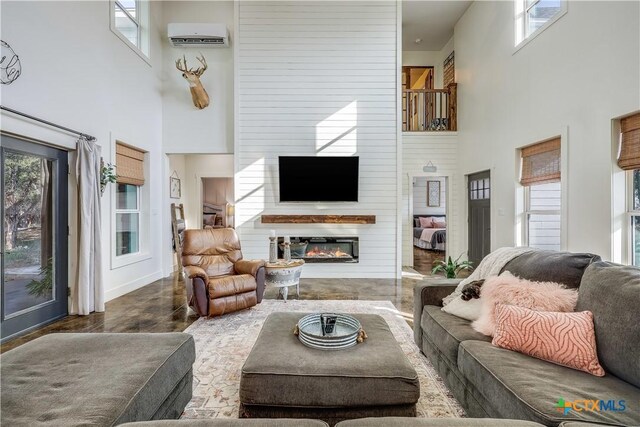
318	79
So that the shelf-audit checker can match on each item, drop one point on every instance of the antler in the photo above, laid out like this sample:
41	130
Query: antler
200	71
181	67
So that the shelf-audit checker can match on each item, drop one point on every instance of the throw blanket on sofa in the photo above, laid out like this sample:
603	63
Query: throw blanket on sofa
489	266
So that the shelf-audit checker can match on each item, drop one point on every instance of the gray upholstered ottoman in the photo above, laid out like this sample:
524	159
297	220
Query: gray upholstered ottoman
96	379
282	378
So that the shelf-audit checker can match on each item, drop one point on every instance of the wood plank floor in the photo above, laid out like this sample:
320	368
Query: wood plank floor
423	259
162	307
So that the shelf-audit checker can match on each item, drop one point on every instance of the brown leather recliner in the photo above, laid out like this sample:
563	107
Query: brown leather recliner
217	279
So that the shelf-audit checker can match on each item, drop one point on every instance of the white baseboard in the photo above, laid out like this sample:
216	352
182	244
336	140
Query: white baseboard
132	286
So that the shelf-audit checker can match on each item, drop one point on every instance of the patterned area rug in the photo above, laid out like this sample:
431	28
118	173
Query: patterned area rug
223	344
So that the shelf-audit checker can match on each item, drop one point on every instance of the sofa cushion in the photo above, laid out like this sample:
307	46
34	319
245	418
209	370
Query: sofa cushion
98	379
224	286
447	331
435	422
551	266
519	386
282	372
229	422
612	293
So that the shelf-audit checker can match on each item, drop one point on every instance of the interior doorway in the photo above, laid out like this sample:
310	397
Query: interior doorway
217	202
479	202
429	221
415	80
34	261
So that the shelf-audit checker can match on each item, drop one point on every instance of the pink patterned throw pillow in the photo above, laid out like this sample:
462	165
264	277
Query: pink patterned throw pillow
426	222
509	289
566	339
439	224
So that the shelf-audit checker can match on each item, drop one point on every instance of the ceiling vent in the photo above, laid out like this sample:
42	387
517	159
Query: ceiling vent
198	35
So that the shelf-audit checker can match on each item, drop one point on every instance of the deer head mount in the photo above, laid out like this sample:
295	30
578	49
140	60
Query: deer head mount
199	95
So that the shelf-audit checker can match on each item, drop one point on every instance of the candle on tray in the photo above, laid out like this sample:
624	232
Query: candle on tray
287	239
272	233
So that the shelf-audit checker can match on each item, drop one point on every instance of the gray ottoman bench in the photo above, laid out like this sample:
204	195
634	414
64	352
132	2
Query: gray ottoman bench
282	378
96	379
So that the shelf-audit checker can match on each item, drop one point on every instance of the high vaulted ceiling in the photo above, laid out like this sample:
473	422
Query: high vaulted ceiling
431	21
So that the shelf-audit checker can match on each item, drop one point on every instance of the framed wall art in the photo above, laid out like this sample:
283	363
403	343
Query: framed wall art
175	188
433	194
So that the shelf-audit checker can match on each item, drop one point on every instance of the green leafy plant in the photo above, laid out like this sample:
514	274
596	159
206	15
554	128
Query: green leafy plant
107	175
42	288
451	267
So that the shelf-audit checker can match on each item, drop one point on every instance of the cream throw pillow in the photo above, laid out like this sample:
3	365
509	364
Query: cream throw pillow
469	310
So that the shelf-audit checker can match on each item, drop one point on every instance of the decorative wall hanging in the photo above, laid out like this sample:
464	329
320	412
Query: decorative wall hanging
198	94
10	68
433	194
175	188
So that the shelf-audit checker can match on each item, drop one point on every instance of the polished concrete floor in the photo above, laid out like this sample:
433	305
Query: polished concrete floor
162	307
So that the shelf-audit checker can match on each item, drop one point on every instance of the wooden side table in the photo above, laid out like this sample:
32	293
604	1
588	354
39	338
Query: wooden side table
282	274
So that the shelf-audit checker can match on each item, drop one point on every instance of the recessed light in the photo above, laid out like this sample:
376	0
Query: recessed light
418	40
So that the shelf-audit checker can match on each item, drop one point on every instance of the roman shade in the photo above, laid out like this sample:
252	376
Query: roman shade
129	165
629	157
541	163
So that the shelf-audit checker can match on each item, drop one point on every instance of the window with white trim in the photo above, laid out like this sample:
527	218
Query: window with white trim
542	214
629	160
540	176
633	210
534	16
127	219
129	21
129	213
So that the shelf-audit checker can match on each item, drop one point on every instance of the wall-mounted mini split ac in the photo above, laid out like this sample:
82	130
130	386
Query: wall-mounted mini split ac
198	35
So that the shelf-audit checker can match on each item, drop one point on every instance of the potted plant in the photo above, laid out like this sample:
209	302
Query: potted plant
451	267
107	175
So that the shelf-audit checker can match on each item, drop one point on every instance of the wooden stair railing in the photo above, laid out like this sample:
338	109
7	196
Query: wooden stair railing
430	109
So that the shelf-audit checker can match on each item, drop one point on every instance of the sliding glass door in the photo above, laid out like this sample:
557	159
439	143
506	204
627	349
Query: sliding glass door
34	228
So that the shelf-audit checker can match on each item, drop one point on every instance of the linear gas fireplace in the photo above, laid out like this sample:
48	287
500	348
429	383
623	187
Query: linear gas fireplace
322	249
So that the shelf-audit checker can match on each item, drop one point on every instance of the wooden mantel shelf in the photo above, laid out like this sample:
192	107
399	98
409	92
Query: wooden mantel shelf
318	219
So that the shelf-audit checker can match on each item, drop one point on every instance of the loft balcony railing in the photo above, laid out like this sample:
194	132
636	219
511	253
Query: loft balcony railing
430	110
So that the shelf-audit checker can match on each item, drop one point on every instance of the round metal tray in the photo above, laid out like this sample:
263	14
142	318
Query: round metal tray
345	333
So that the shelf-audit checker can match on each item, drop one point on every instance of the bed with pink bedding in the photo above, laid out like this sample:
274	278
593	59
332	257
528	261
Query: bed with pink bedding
428	237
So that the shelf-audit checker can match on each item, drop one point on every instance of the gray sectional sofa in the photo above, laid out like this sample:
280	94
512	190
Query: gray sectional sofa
494	382
361	422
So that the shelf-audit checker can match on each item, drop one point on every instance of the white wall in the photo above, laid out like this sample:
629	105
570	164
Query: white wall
218	191
440	148
318	79
81	75
185	128
577	75
420	206
434	58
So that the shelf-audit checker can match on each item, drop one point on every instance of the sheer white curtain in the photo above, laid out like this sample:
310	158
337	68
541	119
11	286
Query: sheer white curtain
88	294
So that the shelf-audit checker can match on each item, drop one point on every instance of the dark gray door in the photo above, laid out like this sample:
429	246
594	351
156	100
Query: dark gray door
479	200
33	279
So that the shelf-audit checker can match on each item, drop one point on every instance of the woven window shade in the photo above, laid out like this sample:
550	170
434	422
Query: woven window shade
629	157
541	163
129	165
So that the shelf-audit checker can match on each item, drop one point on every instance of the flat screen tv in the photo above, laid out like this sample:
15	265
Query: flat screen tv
318	179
